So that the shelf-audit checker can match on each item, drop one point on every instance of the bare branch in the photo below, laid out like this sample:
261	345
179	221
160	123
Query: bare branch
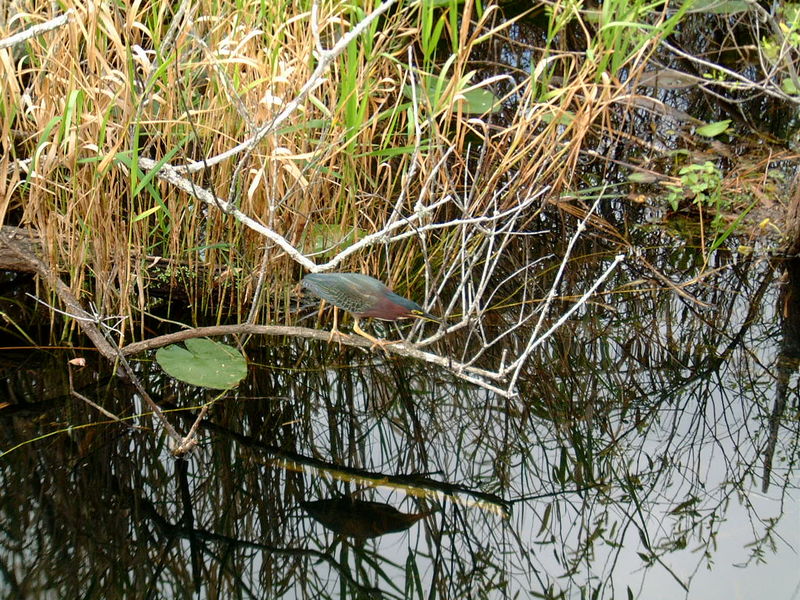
35	30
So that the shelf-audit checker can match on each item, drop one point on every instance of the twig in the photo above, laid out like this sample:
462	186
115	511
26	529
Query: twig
564	261
516	366
94	405
742	82
191	437
386	234
169	174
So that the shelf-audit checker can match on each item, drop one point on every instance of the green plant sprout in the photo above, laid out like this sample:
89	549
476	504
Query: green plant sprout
703	185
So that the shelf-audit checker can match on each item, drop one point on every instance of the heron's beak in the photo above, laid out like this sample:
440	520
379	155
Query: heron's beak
428	317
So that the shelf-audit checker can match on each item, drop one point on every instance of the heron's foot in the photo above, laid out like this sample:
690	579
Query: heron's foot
335	333
382	344
376	342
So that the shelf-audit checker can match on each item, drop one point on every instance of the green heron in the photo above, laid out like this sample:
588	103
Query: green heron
362	296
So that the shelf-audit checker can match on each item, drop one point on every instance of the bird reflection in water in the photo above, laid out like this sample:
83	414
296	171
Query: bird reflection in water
360	518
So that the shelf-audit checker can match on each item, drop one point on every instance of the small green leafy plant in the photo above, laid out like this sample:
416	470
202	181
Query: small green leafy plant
702	184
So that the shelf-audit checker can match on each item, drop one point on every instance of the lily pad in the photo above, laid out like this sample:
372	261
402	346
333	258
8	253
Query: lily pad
204	363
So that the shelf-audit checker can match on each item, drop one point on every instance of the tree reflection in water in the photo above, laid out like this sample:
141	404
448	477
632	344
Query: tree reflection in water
635	450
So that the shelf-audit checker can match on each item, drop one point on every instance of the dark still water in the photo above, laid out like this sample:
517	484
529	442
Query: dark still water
652	453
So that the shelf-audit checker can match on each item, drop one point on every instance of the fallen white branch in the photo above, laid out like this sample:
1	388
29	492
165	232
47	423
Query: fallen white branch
35	30
472	375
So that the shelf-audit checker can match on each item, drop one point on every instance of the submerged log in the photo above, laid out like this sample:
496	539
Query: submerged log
789	310
790	294
791	244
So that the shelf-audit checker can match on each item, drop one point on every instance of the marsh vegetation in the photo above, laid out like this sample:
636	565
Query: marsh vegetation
597	200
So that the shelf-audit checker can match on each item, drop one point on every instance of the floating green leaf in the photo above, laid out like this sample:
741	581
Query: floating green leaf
788	86
642	177
720	7
204	363
476	100
713	129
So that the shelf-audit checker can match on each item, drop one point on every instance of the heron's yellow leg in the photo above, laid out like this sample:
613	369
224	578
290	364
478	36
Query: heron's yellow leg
335	331
362	333
321	308
375	341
